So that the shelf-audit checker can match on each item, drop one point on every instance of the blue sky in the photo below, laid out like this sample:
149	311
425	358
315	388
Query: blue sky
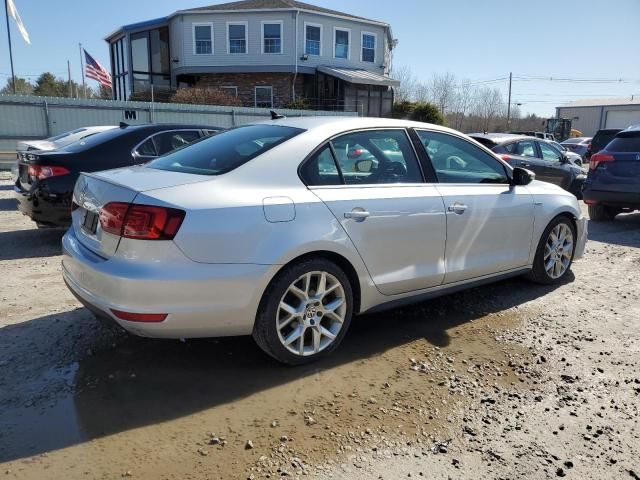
478	40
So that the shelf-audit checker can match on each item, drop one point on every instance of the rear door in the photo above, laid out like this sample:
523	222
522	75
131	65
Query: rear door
556	170
489	222
395	220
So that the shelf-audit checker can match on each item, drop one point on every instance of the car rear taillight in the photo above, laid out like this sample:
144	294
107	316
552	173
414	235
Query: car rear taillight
42	172
598	158
139	317
143	222
356	152
505	157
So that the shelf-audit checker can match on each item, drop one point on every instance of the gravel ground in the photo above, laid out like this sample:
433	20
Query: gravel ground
511	380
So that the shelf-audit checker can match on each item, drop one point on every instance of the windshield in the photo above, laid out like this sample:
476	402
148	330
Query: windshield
225	151
66	134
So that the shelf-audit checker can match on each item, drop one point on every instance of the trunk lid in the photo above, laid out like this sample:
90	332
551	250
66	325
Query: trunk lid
94	190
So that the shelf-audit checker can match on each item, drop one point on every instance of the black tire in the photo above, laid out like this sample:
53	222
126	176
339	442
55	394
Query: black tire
602	213
265	332
538	273
576	189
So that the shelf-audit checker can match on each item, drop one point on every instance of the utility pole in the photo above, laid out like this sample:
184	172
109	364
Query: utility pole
70	86
13	75
509	103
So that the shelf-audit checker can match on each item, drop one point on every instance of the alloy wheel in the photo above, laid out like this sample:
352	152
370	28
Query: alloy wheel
311	313
558	250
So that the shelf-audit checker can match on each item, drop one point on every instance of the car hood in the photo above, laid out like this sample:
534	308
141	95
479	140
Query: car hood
143	179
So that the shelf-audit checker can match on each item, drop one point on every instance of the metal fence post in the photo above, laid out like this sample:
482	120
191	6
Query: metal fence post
46	118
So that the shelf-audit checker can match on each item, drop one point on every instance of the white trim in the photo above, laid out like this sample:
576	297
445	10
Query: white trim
348	30
246	37
193	36
255	95
375	45
304	43
272	22
222	88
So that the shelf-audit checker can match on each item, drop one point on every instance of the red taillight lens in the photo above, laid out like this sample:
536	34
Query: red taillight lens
356	152
139	317
145	222
505	157
598	158
42	171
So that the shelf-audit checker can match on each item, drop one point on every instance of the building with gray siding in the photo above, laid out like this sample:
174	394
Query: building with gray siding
591	115
267	53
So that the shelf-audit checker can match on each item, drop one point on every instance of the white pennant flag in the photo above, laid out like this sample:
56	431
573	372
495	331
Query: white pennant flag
13	11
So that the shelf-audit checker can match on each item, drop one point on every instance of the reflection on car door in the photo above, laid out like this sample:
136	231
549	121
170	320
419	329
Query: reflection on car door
555	171
394	219
489	222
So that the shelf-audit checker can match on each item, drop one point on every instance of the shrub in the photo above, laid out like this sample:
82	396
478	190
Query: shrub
201	96
402	109
299	104
426	112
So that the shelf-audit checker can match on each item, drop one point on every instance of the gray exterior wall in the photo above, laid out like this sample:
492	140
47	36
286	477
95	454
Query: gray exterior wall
592	118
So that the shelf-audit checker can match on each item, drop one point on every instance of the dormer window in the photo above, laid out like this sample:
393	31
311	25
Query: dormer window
368	47
341	37
237	37
272	37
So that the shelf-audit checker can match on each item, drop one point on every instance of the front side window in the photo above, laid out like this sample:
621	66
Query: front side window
457	161
264	97
221	153
367	157
368	47
272	38
523	148
549	153
313	40
237	37
203	39
341	49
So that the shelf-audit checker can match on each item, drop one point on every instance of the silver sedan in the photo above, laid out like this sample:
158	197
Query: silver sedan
273	230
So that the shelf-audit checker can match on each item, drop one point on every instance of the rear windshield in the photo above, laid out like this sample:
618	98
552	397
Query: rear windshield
601	139
625	144
485	141
225	151
66	134
91	141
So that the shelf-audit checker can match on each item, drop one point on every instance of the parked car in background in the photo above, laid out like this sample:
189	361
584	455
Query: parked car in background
571	156
62	140
45	179
613	183
531	133
600	140
577	145
285	243
537	155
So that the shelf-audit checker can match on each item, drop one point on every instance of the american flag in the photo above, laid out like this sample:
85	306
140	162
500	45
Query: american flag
94	70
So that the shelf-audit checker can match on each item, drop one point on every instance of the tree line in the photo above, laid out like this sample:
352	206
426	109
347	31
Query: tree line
48	85
461	104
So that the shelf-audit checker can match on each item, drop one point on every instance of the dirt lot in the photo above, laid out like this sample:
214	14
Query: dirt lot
511	380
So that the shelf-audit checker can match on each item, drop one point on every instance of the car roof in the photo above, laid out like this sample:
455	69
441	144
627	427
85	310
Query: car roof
165	126
332	125
500	138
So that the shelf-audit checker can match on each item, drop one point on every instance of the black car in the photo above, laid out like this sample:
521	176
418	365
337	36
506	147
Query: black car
540	156
45	179
600	140
613	183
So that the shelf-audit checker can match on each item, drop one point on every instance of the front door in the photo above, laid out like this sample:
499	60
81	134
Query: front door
555	169
372	183
489	222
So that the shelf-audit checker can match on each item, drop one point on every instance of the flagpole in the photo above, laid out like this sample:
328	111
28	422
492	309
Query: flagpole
84	85
13	75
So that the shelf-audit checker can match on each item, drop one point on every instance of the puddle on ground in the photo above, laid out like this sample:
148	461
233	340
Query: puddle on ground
152	407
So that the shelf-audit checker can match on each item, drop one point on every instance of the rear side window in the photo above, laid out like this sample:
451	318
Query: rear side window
321	169
221	153
625	144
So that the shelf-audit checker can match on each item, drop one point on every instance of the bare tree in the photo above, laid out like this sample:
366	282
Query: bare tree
442	90
488	105
406	91
462	102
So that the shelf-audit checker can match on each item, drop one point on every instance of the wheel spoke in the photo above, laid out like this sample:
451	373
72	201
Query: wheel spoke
334	304
317	336
322	285
286	321
294	335
301	294
549	266
288	308
327	333
334	316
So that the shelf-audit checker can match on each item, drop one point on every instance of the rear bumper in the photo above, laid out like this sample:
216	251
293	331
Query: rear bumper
613	199
201	300
42	208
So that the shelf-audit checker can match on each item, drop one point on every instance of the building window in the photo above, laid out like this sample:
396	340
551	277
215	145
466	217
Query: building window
271	37
341	42
313	39
237	37
150	60
231	91
202	38
264	97
368	47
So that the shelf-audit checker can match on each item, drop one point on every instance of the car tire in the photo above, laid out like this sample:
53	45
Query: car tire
296	323
576	189
552	260
602	213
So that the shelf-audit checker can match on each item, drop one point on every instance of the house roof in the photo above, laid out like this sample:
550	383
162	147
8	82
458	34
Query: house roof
599	102
272	5
360	76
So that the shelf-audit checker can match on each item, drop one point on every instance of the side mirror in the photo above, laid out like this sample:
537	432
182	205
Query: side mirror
522	176
564	159
363	166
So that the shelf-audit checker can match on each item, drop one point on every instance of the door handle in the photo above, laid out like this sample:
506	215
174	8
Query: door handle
357	214
457	208
525	164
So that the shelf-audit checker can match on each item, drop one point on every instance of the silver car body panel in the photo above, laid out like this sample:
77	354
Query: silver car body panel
242	227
